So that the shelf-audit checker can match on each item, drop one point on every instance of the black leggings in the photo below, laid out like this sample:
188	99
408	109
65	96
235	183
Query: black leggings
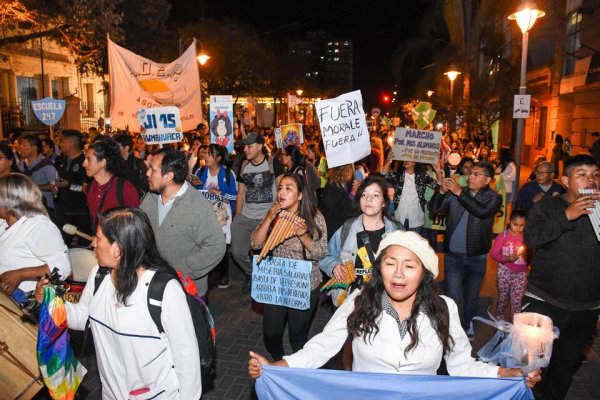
274	318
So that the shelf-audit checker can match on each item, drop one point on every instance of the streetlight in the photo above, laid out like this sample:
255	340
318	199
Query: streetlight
525	16
202	58
452	74
430	93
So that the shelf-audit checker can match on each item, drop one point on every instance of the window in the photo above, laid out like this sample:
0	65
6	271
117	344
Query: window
572	42
541	138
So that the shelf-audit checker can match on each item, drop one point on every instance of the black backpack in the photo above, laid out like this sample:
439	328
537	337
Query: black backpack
201	318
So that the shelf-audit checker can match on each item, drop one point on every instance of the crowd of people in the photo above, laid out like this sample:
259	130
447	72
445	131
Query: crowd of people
151	210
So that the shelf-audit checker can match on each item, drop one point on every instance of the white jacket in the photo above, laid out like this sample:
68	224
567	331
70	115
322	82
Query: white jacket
385	352
132	355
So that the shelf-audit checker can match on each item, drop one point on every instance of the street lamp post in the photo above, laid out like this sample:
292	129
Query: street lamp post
525	16
452	74
202	57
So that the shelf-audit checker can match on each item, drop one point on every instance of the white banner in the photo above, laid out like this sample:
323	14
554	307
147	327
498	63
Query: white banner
416	145
344	129
137	82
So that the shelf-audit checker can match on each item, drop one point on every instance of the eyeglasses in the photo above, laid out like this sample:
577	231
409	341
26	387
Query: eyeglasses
543	172
478	174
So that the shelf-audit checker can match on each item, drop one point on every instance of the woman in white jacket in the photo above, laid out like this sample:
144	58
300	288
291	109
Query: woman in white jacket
135	360
398	323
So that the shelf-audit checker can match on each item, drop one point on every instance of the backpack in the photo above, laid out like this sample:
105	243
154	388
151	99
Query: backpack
348	224
202	319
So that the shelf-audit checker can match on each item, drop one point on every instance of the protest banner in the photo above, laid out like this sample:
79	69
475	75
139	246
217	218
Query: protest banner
48	110
289	134
344	129
416	145
282	282
160	125
137	82
221	126
222	208
281	383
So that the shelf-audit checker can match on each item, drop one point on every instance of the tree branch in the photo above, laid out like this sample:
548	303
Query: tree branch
19	39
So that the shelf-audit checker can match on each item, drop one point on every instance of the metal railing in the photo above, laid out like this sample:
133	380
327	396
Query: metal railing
20	115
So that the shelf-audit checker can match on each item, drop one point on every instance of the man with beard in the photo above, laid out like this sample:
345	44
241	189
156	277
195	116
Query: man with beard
186	228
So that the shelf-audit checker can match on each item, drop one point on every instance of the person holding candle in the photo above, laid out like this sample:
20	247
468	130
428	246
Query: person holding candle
508	249
397	322
564	283
308	243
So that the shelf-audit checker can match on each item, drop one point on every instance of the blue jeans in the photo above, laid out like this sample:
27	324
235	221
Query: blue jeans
463	276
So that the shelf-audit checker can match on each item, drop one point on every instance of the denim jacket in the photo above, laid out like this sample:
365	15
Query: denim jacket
339	253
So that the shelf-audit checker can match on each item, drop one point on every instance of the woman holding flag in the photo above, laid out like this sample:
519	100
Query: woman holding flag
397	321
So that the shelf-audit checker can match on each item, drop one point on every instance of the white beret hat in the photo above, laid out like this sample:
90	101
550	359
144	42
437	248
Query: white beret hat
415	243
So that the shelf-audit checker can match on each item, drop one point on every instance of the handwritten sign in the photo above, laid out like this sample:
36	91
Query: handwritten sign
282	282
48	110
221	117
416	145
222	208
160	125
344	129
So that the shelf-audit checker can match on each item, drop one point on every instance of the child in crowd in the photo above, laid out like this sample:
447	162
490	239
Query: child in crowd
510	252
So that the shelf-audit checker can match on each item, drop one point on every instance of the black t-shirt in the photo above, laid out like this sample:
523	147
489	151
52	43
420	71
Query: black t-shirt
72	198
363	261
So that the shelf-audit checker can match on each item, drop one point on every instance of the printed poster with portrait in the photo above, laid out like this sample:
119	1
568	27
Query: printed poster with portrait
221	121
289	134
222	208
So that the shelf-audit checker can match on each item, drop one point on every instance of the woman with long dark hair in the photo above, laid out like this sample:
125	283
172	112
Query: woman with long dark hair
133	356
308	243
294	160
397	322
361	235
216	177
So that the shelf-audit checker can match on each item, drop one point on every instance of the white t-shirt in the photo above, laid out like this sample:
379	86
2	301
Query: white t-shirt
408	206
31	242
212	181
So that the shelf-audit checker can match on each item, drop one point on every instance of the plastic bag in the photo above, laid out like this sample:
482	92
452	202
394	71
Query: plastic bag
527	344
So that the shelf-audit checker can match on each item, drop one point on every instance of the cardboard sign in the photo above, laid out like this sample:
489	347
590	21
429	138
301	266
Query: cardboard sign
160	125
222	208
48	110
282	282
221	125
344	129
416	145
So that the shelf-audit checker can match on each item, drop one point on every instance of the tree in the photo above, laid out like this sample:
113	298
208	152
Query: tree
81	26
241	62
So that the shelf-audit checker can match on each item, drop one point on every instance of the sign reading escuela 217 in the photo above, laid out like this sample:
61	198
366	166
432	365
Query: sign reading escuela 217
160	125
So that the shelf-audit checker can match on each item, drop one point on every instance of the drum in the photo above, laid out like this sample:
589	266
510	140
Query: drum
19	370
82	263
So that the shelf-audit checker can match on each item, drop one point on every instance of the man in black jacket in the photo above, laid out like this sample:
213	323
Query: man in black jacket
470	216
564	283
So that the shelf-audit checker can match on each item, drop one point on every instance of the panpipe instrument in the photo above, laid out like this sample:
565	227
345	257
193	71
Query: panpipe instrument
595	215
349	278
282	230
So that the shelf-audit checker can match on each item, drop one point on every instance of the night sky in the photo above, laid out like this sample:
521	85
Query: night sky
376	27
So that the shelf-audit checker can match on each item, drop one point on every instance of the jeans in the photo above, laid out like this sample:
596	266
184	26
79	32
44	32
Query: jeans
241	230
463	276
576	330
